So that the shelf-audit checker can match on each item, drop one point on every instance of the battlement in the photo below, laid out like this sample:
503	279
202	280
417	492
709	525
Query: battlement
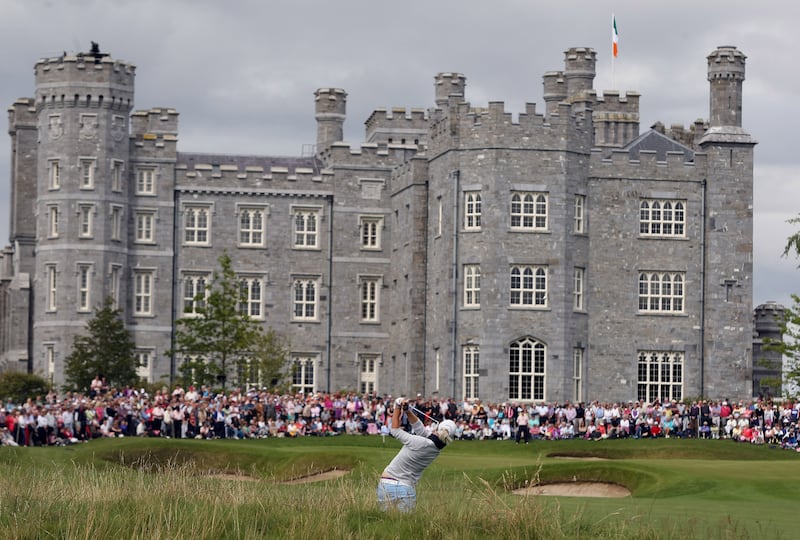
493	126
22	113
579	69
647	167
330	101
397	125
449	84
242	175
156	121
726	62
612	102
91	80
368	154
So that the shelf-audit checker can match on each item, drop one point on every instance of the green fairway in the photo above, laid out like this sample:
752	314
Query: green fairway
159	488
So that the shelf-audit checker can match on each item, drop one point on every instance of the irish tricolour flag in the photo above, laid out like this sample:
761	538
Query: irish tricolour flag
614	36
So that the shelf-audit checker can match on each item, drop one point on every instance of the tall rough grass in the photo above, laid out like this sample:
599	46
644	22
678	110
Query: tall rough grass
173	501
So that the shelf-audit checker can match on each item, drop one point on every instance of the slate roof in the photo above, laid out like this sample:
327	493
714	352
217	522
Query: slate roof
652	140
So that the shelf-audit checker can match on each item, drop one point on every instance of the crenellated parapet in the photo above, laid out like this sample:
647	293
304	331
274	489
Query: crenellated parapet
492	126
157	121
21	114
615	117
674	169
367	154
245	172
84	80
397	125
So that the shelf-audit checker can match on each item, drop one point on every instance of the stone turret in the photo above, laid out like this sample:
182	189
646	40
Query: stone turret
555	91
449	84
726	74
579	70
330	111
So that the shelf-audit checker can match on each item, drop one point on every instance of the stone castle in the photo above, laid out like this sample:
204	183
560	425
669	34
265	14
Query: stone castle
459	250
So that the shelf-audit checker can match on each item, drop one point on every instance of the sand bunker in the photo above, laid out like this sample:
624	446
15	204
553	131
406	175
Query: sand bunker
319	477
576	489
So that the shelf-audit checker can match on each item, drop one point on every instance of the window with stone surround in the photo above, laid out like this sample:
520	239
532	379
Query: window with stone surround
145	226
528	286
84	287
116	222
87	171
52	286
250	296
194	293
472	211
143	292
579	223
251	227
52	221
661	292
660	376
303	380
528	211
577	374
526	370
145	181
197	225
55	174
370	231
117	171
306	228
472	285
662	218
86	220
305	298
368	373
370	298
472	354
577	288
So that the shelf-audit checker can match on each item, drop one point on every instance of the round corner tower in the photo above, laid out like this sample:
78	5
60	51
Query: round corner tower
448	84
82	106
579	69
726	68
330	111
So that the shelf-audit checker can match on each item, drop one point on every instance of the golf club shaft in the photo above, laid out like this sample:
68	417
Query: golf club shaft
422	413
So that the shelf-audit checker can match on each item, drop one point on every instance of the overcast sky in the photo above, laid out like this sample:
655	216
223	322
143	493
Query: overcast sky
242	73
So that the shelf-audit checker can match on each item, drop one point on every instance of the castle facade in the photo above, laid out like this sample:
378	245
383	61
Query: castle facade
558	254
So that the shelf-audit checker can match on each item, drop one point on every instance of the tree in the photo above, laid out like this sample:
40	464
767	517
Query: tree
20	386
108	351
793	242
219	335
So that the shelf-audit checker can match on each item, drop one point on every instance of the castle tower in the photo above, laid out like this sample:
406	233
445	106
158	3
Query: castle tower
449	84
82	106
579	70
555	91
728	260
726	74
330	112
767	364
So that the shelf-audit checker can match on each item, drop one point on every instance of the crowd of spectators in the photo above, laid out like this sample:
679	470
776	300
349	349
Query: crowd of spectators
199	413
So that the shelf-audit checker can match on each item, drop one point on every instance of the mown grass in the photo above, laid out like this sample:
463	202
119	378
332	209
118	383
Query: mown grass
157	488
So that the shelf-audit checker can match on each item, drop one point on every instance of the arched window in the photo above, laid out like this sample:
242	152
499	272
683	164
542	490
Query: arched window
526	370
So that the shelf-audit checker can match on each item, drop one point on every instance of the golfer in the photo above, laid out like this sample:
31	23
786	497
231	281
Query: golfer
397	486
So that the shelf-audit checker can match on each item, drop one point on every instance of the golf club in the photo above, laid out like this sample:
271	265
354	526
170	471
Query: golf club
423	414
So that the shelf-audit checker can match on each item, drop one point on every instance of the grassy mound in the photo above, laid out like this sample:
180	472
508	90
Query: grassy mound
181	488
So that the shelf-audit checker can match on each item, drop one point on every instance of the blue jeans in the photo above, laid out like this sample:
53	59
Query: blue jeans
395	496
